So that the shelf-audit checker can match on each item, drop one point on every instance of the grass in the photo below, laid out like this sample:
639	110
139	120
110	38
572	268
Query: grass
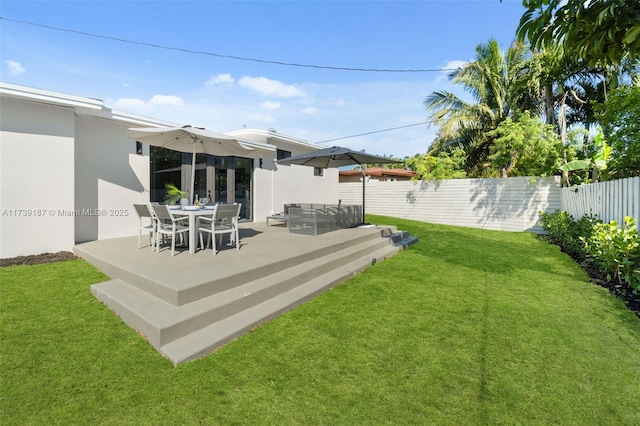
465	327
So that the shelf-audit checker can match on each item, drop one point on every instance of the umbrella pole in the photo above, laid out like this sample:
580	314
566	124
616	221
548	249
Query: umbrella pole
364	177
193	176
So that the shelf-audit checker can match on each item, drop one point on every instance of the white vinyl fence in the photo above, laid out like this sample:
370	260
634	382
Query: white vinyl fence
511	204
612	200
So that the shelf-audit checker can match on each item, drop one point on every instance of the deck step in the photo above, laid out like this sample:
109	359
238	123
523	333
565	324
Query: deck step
224	306
197	282
162	322
208	339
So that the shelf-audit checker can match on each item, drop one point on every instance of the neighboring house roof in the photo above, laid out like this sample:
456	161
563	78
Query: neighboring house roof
378	171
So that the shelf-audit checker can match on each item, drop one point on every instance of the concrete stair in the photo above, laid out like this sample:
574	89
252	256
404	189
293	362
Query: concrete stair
190	322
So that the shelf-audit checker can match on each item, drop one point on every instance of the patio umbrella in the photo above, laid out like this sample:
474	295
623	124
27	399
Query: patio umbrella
195	140
338	156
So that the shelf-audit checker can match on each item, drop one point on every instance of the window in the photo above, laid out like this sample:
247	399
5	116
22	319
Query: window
281	153
138	148
318	171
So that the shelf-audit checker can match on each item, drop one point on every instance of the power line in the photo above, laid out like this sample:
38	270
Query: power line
218	55
375	131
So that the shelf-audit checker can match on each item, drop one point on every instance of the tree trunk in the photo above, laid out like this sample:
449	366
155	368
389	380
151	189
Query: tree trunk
562	129
548	104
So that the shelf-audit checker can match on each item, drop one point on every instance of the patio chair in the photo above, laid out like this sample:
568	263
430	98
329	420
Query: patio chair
224	220
168	224
144	211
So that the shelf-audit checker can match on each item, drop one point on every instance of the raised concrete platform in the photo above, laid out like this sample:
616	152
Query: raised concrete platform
190	304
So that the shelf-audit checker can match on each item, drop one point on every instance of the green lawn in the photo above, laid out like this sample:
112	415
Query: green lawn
464	327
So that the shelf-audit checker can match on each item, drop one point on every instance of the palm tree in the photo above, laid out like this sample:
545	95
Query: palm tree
498	83
569	90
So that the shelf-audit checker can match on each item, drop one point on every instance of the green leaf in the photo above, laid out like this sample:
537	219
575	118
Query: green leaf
576	165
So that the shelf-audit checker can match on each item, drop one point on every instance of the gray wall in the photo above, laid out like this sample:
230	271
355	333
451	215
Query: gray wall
511	204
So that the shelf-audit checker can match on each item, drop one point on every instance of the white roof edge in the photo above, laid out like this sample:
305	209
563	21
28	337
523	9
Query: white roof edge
141	120
252	144
57	98
30	93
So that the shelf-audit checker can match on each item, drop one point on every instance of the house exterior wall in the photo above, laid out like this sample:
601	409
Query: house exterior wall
36	178
111	177
275	185
297	184
70	174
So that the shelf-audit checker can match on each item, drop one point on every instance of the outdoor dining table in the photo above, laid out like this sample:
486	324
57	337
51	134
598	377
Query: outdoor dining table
193	212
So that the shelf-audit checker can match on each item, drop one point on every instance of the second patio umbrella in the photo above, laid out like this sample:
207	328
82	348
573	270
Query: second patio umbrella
194	140
338	156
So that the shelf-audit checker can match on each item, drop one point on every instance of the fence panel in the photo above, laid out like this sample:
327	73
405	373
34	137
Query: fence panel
612	200
511	204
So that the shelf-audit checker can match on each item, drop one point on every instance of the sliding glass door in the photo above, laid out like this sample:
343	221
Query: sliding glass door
220	179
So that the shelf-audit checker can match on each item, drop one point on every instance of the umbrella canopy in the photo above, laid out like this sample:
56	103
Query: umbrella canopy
194	140
338	156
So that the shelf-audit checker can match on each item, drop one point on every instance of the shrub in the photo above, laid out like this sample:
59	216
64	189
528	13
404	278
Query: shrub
616	250
565	232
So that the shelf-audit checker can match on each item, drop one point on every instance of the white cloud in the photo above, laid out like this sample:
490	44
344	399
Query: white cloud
220	79
139	105
310	110
263	118
269	87
455	64
130	104
270	105
166	100
15	68
449	66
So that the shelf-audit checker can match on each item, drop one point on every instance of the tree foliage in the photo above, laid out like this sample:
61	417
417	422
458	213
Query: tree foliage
620	120
525	146
595	161
595	31
498	82
436	167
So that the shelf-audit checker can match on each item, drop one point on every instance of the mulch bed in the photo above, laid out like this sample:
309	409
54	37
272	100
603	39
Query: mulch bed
38	259
622	292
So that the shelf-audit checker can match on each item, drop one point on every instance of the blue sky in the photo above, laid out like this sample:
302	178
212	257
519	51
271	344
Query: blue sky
224	94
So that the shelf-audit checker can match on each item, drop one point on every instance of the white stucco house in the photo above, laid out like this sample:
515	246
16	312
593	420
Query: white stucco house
70	174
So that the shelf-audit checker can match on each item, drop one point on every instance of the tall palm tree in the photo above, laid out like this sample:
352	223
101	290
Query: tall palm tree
498	83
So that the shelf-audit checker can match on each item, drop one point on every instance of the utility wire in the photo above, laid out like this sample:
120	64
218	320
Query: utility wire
374	131
218	55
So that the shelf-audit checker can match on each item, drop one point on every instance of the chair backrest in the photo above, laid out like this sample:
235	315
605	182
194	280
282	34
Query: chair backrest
184	201
162	212
142	210
227	212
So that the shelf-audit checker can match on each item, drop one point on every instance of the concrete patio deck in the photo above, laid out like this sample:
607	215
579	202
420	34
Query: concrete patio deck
187	305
